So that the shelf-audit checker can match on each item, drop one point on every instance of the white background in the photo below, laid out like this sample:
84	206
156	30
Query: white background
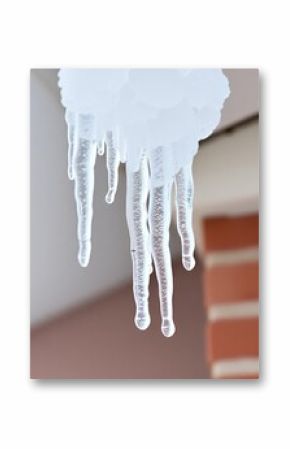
144	414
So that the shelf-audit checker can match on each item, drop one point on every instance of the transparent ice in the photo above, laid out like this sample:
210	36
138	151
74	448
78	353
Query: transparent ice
152	120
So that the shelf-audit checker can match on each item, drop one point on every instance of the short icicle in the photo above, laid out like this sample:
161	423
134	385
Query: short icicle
113	162
71	137
184	200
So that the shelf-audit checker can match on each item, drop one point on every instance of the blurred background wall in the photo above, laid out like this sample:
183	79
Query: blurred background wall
82	319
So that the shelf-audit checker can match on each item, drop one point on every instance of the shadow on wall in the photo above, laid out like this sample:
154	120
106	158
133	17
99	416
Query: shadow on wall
100	341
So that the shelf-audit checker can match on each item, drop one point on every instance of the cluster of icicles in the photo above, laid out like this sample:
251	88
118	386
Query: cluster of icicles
152	120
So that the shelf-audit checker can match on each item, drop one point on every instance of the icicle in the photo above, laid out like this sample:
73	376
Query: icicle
83	169
166	111
71	135
113	162
184	199
159	220
136	211
160	215
101	148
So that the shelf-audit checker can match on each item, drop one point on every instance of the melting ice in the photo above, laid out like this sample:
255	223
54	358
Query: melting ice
152	120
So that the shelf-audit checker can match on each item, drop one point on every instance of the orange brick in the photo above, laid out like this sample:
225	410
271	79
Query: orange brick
231	283
226	233
230	339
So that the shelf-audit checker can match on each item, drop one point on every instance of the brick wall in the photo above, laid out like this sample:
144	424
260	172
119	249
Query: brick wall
231	295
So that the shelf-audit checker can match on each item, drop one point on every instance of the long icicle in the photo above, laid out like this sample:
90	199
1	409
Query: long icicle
159	220
136	211
184	200
84	162
160	216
